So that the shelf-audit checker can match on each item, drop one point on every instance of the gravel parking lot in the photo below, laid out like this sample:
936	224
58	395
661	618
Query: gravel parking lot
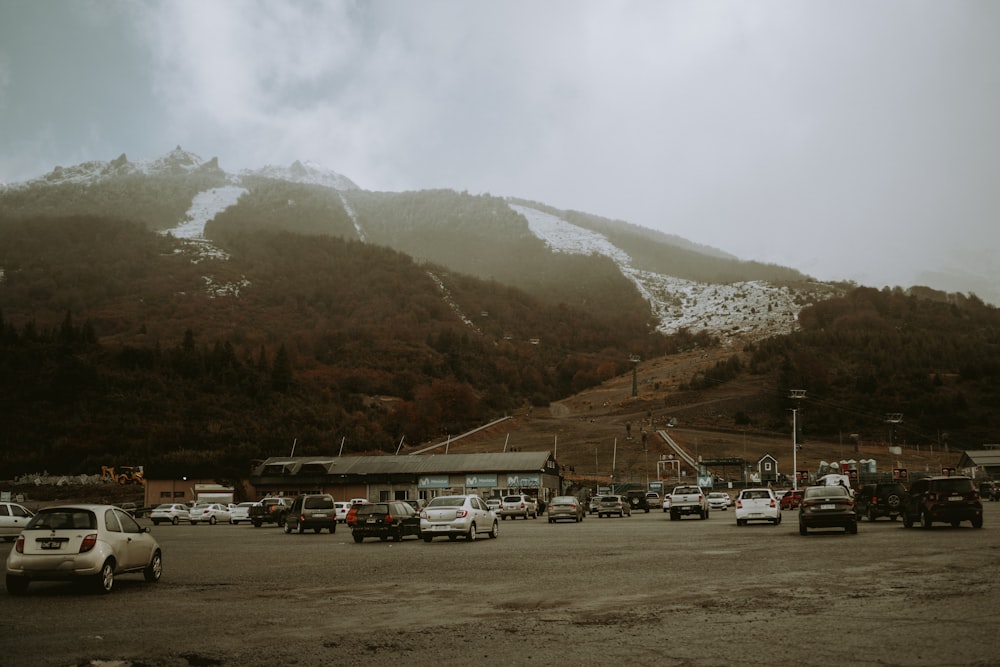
639	590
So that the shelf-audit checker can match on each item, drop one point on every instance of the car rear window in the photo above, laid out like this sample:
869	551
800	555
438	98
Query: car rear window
446	501
826	491
63	519
953	485
512	499
756	494
319	503
373	508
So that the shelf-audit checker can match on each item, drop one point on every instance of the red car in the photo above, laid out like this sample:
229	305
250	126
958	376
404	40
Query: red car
791	500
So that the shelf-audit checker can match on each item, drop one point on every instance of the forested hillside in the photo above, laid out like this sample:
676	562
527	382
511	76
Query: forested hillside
112	348
876	353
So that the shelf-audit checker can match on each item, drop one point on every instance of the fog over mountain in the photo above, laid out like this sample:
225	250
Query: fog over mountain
850	141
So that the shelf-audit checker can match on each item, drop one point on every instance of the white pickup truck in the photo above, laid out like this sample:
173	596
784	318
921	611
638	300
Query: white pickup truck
686	500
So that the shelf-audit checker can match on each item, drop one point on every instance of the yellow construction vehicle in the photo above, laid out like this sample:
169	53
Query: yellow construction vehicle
123	475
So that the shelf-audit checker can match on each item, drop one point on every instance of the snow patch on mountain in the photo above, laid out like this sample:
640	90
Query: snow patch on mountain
305	172
753	309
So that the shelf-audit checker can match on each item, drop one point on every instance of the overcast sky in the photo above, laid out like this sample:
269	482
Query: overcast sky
849	139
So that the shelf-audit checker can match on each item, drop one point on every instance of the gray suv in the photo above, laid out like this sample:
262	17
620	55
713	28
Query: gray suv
312	510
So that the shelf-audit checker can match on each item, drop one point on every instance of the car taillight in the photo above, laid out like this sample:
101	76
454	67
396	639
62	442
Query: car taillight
19	545
88	543
772	502
302	518
523	505
739	504
388	518
463	513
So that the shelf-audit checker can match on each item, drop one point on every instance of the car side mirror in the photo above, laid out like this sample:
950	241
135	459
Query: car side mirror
146	529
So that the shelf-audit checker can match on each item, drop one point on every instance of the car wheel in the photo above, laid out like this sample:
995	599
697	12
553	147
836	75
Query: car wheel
977	522
211	520
452	538
674	516
741	522
398	537
925	520
428	538
333	528
704	515
907	521
154	569
893	501
871	513
803	530
495	531
359	538
17	585
317	530
156	522
104	580
471	535
288	529
551	521
852	528
256	524
175	521
955	523
778	521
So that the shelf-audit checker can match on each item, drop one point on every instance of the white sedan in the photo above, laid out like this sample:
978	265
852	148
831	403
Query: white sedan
210	513
718	501
757	505
91	543
170	513
13	519
457	515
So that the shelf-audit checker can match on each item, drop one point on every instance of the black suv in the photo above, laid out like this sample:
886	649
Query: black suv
987	491
312	510
943	499
393	518
637	500
875	500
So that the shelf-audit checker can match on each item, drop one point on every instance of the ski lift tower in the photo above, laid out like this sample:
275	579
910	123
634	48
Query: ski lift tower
796	395
635	374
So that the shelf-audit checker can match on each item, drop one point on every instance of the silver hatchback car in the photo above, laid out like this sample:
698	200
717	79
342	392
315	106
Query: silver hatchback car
568	508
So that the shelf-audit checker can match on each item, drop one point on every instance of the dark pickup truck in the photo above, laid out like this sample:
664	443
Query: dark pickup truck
270	510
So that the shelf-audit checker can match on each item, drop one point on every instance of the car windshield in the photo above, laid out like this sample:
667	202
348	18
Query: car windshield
826	491
447	501
63	519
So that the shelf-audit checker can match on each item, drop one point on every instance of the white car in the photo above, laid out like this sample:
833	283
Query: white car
757	505
342	509
718	501
452	516
240	512
13	519
211	513
170	513
92	543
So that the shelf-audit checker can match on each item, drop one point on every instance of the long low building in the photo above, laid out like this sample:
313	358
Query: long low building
379	478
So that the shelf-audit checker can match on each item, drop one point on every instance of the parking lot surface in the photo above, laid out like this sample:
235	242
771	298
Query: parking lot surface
639	590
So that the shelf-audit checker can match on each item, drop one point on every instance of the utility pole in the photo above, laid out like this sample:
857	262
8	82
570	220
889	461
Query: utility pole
796	394
635	374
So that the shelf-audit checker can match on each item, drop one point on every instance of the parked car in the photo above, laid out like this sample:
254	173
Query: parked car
311	510
608	505
393	518
210	513
883	499
757	505
944	499
457	515
416	504
565	507
828	506
170	513
518	506
791	499
989	491
593	503
13	519
89	543
494	504
717	500
240	513
342	509
638	501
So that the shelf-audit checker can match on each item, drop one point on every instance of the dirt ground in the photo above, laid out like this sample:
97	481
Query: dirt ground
641	590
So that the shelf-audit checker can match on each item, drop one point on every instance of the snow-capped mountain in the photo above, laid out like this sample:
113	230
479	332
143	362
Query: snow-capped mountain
751	309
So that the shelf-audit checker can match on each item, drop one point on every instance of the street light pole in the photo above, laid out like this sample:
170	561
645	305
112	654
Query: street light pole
796	394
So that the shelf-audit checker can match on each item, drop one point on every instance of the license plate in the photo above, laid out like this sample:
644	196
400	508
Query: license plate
50	544
755	515
827	507
371	521
955	498
319	516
